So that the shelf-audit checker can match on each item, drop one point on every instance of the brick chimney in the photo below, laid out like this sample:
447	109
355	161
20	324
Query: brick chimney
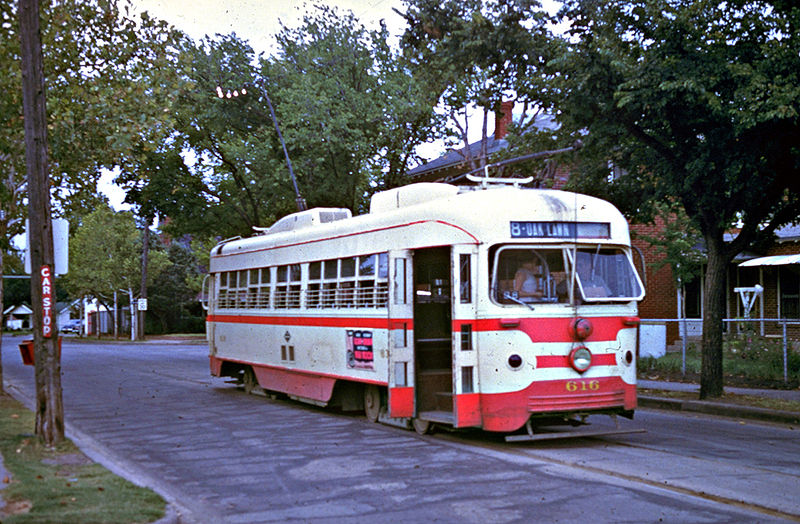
502	118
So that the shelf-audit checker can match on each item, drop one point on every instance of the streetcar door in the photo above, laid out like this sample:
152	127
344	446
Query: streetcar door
210	306
466	407
433	334
401	334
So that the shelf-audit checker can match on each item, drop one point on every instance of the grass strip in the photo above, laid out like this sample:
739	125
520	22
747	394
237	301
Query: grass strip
62	484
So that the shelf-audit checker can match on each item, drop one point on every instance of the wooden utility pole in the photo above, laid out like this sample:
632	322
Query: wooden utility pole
143	285
49	406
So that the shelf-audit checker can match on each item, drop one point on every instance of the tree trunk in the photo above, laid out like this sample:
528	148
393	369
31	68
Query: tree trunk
49	406
711	378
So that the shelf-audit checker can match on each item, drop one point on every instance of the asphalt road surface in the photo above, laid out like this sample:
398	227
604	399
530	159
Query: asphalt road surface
153	413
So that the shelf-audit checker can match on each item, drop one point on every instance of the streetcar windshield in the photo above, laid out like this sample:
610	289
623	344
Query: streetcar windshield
526	275
605	274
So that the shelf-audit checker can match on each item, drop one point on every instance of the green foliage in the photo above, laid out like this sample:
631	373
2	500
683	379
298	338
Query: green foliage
105	257
479	53
172	297
698	101
748	360
108	76
678	243
349	111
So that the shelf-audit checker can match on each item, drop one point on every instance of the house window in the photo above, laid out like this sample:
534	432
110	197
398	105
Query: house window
790	292
694	298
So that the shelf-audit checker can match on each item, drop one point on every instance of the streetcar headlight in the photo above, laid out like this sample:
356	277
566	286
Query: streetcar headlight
580	359
515	361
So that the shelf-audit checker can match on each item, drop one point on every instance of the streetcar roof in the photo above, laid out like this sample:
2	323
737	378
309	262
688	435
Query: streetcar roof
444	213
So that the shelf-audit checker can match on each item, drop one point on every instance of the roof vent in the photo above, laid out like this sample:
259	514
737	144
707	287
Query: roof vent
304	219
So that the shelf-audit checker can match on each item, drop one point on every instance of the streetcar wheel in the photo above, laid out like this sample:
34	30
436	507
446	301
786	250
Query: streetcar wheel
372	403
423	427
249	380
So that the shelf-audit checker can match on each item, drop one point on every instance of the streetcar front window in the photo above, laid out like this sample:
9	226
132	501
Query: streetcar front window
605	274
525	275
529	275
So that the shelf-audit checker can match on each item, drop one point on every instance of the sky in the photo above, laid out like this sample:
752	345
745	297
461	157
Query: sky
257	21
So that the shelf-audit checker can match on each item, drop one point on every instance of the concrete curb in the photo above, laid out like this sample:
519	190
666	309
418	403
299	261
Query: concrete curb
717	408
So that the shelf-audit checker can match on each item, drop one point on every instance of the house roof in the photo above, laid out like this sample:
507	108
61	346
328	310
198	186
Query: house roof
790	233
21	309
455	157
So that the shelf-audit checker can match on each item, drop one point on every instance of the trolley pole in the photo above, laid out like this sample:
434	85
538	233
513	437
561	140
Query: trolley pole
49	406
299	200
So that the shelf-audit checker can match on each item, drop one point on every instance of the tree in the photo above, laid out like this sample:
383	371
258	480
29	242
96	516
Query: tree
352	111
349	111
174	295
699	101
479	53
104	257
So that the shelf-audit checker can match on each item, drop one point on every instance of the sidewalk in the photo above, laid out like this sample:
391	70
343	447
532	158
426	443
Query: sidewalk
719	407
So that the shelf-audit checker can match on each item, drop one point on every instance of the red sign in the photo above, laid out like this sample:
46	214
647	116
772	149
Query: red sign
47	302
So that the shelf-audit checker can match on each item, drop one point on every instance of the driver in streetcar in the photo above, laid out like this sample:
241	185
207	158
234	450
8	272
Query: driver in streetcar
526	280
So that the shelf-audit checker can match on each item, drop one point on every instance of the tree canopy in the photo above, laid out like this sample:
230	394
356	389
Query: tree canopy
349	111
479	53
105	257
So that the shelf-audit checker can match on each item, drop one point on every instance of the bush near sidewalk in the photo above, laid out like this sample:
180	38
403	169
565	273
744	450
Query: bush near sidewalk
62	484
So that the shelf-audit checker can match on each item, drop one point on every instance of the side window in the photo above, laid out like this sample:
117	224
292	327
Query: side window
372	285
293	298
382	281
222	291
361	281
241	289
314	292
347	283
465	278
253	298
281	287
264	288
330	275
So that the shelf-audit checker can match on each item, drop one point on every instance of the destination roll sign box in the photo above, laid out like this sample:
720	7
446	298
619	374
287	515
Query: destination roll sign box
560	230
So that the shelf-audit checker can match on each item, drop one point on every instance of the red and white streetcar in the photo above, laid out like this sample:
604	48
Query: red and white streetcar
493	307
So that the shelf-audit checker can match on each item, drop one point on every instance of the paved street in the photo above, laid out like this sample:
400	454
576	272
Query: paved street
152	412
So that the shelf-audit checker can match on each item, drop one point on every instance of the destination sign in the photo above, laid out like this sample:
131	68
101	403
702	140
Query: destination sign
560	230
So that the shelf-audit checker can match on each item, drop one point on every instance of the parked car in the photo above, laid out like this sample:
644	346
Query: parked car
72	325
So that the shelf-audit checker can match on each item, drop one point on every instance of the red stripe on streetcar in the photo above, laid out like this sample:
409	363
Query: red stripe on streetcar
548	329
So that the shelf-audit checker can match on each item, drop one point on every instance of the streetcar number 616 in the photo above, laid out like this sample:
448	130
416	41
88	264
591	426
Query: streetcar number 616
583	385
